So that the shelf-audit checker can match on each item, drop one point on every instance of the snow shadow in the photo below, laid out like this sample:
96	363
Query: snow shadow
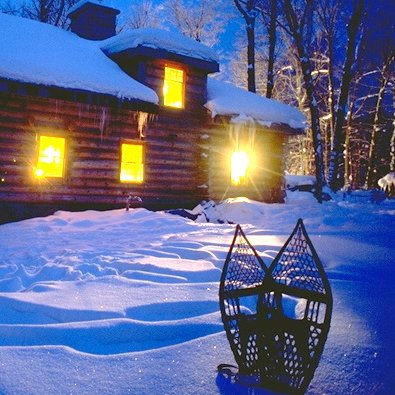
106	337
172	311
228	386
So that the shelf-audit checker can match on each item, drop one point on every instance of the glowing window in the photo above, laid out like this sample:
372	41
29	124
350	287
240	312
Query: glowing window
50	161
173	87
132	166
239	168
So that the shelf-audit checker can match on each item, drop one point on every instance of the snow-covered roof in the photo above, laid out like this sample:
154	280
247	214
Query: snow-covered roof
159	39
243	106
81	3
39	53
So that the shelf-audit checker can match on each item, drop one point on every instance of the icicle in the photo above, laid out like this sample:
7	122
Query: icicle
235	132
56	108
142	120
103	121
82	108
238	126
251	135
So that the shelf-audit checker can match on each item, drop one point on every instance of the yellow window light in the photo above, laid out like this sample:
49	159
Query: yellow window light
132	167
50	161
239	168
173	87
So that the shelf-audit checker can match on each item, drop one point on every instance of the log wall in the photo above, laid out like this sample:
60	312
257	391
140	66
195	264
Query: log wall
93	136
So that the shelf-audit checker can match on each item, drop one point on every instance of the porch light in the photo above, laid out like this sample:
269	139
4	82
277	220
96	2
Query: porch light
239	168
50	161
39	173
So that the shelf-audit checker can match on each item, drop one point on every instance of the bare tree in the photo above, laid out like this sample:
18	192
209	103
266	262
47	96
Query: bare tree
356	143
250	12
202	20
10	7
269	12
272	47
237	65
298	25
353	29
392	143
386	74
141	15
289	89
329	13
53	12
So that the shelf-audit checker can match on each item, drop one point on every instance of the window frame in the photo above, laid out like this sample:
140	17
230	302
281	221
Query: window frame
63	157
143	147
179	67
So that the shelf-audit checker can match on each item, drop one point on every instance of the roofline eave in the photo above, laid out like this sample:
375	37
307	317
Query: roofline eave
141	51
76	95
260	124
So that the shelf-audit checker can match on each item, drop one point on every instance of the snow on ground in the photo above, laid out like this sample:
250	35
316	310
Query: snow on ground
123	302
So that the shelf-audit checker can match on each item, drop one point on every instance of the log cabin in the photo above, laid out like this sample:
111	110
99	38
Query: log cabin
89	118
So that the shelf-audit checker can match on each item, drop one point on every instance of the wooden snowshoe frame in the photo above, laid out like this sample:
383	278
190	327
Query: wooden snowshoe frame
276	318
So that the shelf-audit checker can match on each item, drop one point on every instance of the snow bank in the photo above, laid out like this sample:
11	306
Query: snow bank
387	182
119	302
39	53
239	210
159	39
226	99
293	181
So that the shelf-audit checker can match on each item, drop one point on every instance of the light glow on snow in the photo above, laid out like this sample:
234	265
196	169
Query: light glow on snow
118	302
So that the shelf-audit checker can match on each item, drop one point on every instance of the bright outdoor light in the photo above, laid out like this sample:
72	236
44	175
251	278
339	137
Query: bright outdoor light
39	173
239	167
132	167
173	87
50	161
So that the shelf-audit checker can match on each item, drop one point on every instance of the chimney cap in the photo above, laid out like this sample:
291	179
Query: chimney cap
86	3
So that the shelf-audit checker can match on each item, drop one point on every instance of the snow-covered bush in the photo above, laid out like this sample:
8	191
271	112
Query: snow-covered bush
387	184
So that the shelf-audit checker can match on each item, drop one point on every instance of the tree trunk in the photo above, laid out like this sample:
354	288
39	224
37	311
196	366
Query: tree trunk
372	161
251	54
347	159
392	149
272	47
338	138
249	14
331	89
305	63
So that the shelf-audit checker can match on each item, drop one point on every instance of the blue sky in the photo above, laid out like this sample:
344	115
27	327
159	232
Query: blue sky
380	25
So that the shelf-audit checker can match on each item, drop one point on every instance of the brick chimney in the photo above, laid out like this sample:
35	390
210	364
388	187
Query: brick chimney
93	20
